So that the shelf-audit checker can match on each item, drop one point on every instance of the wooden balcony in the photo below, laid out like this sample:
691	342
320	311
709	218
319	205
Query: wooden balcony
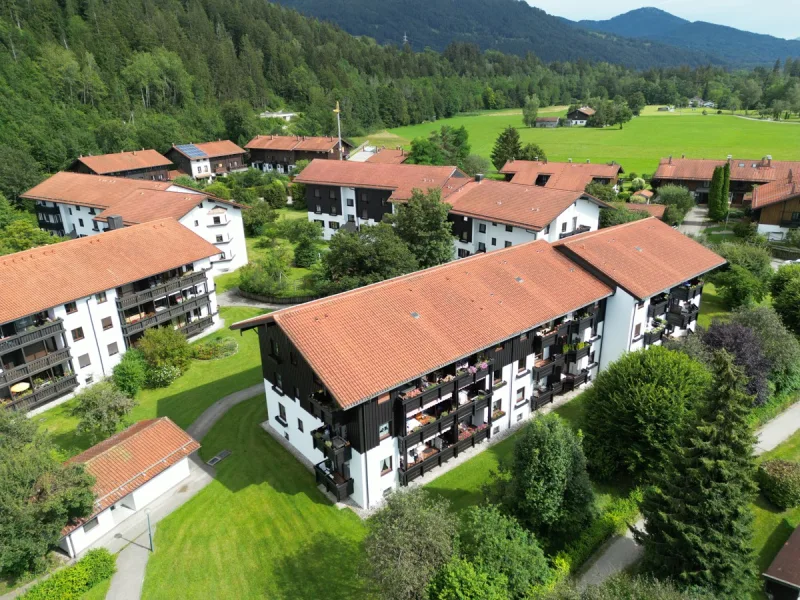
687	292
165	315
580	324
31	335
419	468
48	226
336	449
541	397
575	354
576	231
159	291
572	382
445	422
683	318
44	394
658	306
35	366
197	326
656	335
544	339
334	482
47	210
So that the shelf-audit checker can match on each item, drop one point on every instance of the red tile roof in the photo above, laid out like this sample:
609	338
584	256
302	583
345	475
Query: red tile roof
292	142
774	192
654	210
742	169
644	193
411	325
785	568
529	206
131	458
38	279
124	161
563	176
141	206
389	156
214	149
587	110
643	257
401	179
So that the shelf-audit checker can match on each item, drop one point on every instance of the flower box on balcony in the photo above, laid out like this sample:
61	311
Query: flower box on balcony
498	414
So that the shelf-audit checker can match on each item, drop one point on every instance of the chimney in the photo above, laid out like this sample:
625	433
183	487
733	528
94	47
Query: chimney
569	160
670	159
588	161
683	156
114	222
730	158
768	157
536	158
791	176
479	177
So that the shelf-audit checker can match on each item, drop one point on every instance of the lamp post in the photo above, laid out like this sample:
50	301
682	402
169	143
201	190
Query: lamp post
149	528
339	126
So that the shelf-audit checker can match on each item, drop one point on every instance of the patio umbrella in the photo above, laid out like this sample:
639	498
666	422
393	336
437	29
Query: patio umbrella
20	387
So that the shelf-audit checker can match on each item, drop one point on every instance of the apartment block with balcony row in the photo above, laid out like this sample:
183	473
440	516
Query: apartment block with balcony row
70	311
380	386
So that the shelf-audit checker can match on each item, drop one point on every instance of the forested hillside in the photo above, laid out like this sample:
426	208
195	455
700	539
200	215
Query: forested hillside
511	26
103	76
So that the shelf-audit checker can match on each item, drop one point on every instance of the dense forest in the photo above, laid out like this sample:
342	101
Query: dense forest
85	77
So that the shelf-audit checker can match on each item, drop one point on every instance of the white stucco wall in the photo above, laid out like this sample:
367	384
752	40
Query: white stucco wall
301	440
160	484
618	326
233	241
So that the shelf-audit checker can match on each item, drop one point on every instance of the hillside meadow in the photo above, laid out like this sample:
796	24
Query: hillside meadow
638	146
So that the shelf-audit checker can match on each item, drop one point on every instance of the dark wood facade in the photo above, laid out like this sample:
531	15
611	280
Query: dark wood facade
782	214
285	158
372	204
700	188
324	199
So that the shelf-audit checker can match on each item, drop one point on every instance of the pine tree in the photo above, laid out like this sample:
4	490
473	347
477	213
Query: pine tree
726	188
715	194
698	516
506	147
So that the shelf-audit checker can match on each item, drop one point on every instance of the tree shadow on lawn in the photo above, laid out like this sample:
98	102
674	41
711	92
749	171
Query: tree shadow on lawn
328	567
777	536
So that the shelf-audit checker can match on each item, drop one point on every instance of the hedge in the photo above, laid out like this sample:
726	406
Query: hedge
779	481
215	349
74	581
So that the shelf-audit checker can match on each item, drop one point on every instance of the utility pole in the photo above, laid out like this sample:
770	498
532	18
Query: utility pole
339	125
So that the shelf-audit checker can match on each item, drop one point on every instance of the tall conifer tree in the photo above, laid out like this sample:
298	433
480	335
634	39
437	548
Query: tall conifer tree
714	194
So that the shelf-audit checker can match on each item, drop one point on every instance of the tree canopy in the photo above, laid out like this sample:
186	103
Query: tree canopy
423	225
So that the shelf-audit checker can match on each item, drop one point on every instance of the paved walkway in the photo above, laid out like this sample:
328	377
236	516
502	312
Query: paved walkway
620	552
231	298
695	221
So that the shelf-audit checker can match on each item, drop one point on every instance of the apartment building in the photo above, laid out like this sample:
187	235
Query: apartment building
280	153
85	205
70	311
381	385
208	160
138	164
696	174
561	175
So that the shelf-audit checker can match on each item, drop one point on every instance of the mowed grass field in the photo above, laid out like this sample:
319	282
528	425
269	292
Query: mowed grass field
637	147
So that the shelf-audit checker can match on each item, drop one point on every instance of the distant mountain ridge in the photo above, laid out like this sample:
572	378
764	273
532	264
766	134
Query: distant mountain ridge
510	26
734	46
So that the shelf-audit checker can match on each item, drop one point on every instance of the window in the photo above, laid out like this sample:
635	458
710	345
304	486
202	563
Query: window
282	414
333	225
796	216
279	381
297	393
318	209
497	375
351	218
71	307
89	525
101	297
286	435
320	222
383	431
519	417
317	193
364	214
496	430
520	395
219	238
197	223
462	253
199	169
547	230
217	220
77	334
80	222
113	349
508	244
350	202
83	361
386	465
494	224
509	228
494	241
496	405
387	492
106	323
274	349
70	211
482	228
481	247
563	227
78	208
299	425
205	169
637	330
364	197
334	210
292	358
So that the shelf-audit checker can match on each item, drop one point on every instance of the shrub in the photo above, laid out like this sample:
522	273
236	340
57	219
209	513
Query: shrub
637	183
158	377
787	305
130	373
739	287
459	579
73	582
305	253
745	230
782	277
779	481
165	346
745	347
624	196
215	349
101	408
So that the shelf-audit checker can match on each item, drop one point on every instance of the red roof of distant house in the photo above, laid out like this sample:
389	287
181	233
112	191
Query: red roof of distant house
643	257
389	156
547	119
131	458
756	171
38	279
141	206
563	176
211	149
588	111
644	193
411	325
124	161
529	206
774	192
654	210
401	179
293	142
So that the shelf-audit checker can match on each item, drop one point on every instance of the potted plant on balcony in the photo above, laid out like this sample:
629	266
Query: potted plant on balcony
498	414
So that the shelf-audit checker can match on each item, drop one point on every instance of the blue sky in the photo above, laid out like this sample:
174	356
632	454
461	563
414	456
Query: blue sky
780	18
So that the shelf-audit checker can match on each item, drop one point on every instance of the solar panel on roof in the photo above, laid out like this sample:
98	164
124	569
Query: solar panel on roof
191	151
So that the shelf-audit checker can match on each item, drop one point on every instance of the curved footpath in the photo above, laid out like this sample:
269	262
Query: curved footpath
621	551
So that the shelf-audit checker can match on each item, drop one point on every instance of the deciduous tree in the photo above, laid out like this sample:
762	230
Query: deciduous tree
460	579
101	408
506	147
423	225
530	110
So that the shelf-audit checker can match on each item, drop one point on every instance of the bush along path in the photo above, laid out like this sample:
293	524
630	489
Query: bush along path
622	551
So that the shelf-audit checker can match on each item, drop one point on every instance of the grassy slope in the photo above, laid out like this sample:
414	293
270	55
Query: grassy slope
261	529
638	146
203	384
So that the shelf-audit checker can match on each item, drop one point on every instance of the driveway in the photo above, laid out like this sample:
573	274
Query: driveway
695	221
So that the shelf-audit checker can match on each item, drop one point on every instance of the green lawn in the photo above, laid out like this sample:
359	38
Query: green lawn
261	529
203	384
637	147
711	306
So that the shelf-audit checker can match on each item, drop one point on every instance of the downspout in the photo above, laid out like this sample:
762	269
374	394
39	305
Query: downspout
366	462
630	331
94	333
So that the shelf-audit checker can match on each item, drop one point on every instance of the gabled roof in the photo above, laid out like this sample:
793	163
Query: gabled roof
389	156
774	192
529	206
563	175
588	111
131	458
124	161
293	142
411	325
208	149
38	279
548	119
643	257
142	206
644	193
742	169
654	210
400	179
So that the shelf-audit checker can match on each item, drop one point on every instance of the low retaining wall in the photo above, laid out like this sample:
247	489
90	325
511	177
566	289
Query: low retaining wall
276	299
785	252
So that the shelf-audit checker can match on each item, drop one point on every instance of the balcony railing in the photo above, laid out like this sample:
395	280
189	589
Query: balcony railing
48	226
173	285
336	449
790	223
420	468
541	397
687	292
197	326
35	366
544	339
582	323
572	381
414	398
576	231
683	317
575	354
543	368
44	394
165	315
48	210
658	306
334	482
656	335
34	334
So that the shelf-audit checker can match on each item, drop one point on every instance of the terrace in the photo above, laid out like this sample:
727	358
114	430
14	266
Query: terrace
41	392
338	485
161	311
13	374
682	316
544	367
440	450
28	330
157	287
442	384
336	449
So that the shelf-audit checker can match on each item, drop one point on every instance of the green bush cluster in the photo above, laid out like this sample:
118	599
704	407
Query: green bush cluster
215	349
162	376
130	374
74	581
779	481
